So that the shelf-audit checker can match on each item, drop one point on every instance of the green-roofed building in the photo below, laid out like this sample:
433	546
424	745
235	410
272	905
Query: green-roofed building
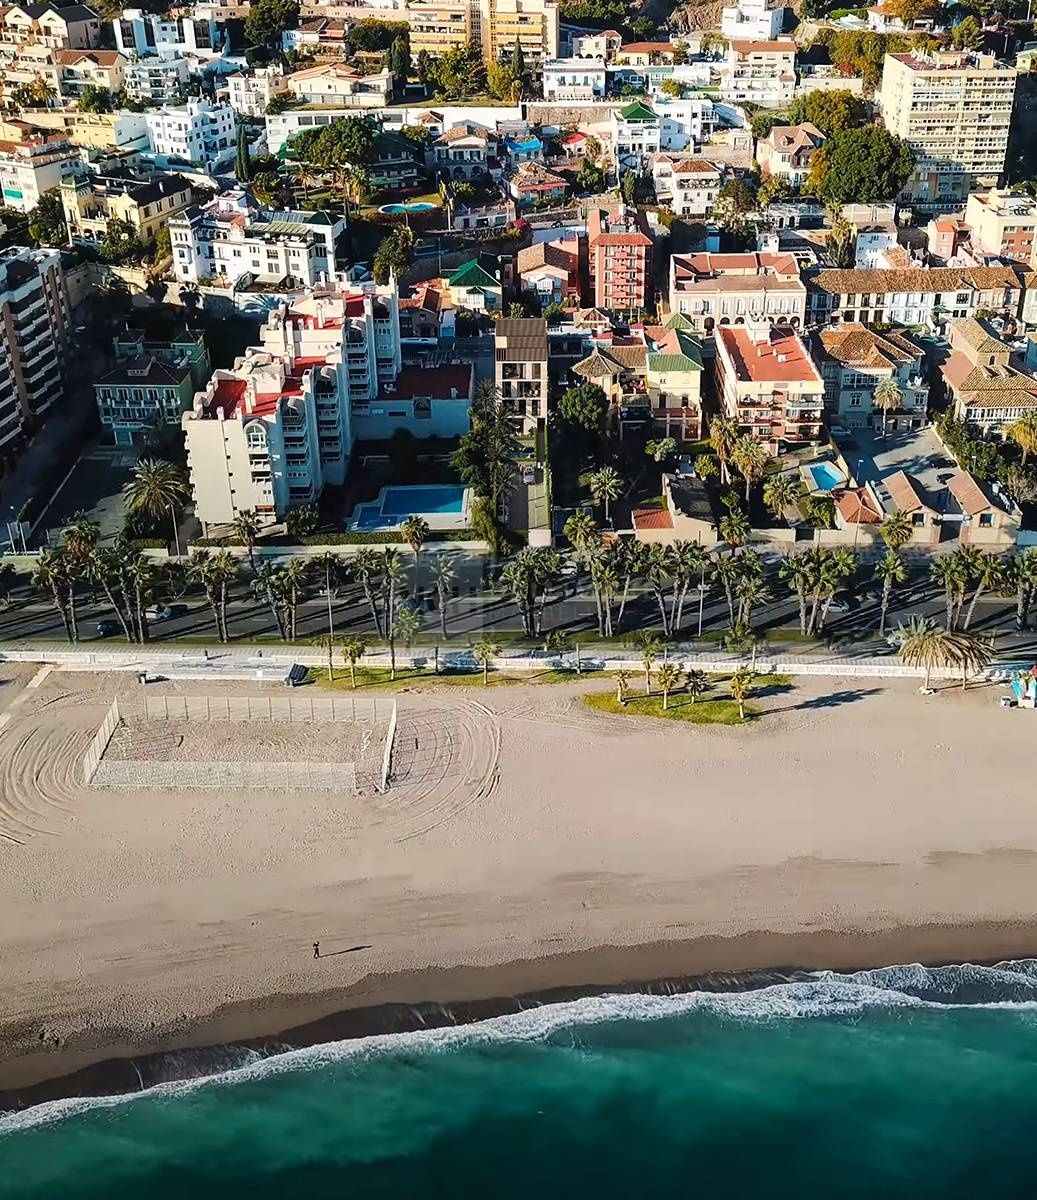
476	285
673	377
678	320
636	135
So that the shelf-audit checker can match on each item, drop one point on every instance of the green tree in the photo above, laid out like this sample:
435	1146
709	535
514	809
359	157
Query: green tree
649	646
486	454
751	459
243	163
890	569
1024	433
95	99
668	675
628	186
606	486
484	652
896	530
268	19
585	406
831	112
968	34
353	649
373	34
863	166
47	220
779	493
415	532
156	487
399	59
741	684
590	177
394	255
348	141
672	87
120	241
763	122
246	530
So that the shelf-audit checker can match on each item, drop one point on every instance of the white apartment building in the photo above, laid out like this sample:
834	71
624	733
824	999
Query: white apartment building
685	123
341	85
33	166
166	35
760	72
197	132
574	79
688	187
154	80
751	20
249	92
232	237
34	334
1003	223
271	432
636	135
954	109
604	45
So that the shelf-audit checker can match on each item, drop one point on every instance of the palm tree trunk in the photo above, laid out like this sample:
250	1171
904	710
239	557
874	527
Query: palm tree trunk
214	604
442	613
666	698
623	602
729	593
375	615
142	620
73	619
949	601
331	616
224	635
352	672
486	672
812	620
597	604
802	612
59	604
887	587
331	661
250	547
1022	605
972	605
392	656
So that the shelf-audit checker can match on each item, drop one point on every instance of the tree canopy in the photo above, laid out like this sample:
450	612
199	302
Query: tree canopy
585	406
394	255
268	19
95	99
372	34
865	166
47	220
457	73
350	140
831	112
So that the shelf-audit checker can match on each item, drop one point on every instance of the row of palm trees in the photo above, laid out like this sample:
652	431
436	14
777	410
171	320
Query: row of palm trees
670	675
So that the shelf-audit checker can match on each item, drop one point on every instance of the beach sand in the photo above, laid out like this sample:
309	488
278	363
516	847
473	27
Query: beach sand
529	845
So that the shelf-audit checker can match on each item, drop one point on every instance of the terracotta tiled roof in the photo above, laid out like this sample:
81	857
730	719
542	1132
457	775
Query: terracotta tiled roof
966	489
545	254
906	492
695	166
647	48
748	47
465	130
651	518
794	138
932	279
855	508
854	345
973	334
103	58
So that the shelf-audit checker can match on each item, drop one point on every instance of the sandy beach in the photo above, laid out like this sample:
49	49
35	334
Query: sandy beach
528	845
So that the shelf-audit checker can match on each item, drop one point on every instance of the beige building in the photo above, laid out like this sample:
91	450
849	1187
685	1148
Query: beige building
532	23
737	289
437	26
762	73
80	69
854	360
92	131
340	86
75	27
690	514
989	517
987	390
1002	223
768	384
954	109
249	92
91	201
689	187
520	368
788	150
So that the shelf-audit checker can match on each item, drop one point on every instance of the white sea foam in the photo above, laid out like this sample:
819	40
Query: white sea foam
1007	985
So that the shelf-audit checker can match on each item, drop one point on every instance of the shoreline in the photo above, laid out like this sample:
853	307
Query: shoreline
415	1000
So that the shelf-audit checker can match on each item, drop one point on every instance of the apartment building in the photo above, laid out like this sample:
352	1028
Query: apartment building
323	37
93	131
685	124
270	433
437	26
854	360
141	395
340	85
689	187
75	27
673	381
954	109
184	345
574	79
761	290
751	21
34	339
768	384
520	349
533	24
987	390
636	135
620	260
397	163
80	69
249	92
550	271
154	80
1002	224
760	72
167	35
91	201
913	297
34	165
197	132
231	237
788	150
604	45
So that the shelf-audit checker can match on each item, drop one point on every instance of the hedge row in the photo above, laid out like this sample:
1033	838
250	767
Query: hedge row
342	538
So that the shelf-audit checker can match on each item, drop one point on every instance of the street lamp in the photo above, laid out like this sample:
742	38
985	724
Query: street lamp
176	531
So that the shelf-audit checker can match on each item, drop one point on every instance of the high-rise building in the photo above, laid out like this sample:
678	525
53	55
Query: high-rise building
619	259
34	332
520	368
533	24
437	26
954	109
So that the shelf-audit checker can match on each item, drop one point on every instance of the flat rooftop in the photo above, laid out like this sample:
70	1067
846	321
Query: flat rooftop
780	359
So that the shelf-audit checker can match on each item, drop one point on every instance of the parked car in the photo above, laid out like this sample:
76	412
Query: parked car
529	473
108	628
165	612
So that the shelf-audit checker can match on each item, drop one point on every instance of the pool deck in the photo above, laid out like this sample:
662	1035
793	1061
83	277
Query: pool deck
369	517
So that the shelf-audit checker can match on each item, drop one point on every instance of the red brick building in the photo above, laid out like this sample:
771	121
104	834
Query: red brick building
619	250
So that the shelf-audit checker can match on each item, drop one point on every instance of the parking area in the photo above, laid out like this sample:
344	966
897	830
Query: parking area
872	457
94	488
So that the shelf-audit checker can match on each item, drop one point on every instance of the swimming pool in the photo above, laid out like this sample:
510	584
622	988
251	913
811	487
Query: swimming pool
825	476
414	206
442	505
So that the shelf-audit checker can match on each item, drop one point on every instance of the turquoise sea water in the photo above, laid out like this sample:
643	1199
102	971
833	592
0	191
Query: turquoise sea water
900	1083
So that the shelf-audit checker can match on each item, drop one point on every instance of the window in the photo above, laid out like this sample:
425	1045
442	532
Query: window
986	520
917	519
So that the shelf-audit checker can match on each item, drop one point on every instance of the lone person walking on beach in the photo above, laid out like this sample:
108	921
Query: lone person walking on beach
316	949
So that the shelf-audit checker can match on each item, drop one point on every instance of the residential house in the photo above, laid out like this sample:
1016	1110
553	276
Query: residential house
534	184
901	492
154	80
946	236
35	331
985	388
954	110
751	20
913	297
873	244
474	286
520	351
604	45
737	289
396	165
990	518
881	19
197	132
1002	224
322	37
91	201
854	360
636	136
139	396
690	513
768	384
427	314
573	79
787	151
673	378
341	86
685	123
619	252
467	151
167	35
184	345
249	92
34	165
491	214
644	54
688	187
121	131
80	69
523	149
760	72
75	27
550	271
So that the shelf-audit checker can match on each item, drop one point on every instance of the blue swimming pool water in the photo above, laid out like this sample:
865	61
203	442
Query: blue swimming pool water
436	498
825	476
414	206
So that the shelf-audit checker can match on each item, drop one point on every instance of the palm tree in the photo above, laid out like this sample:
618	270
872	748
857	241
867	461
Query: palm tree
896	529
329	565
51	574
723	433
888	398
796	571
741	685
924	644
484	652
992	574
669	676
622	679
291	583
697	684
606	486
580	529
443	579
631	559
155	488
891	569
369	566
406	626
751	460
142	577
79	539
106	568
605	581
327	642
687	560
246	530
735	529
415	532
1024	433
752	591
946	569
779	493
352	652
649	645
1024	573
658	576
264	587
392	573
215	572
971	654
